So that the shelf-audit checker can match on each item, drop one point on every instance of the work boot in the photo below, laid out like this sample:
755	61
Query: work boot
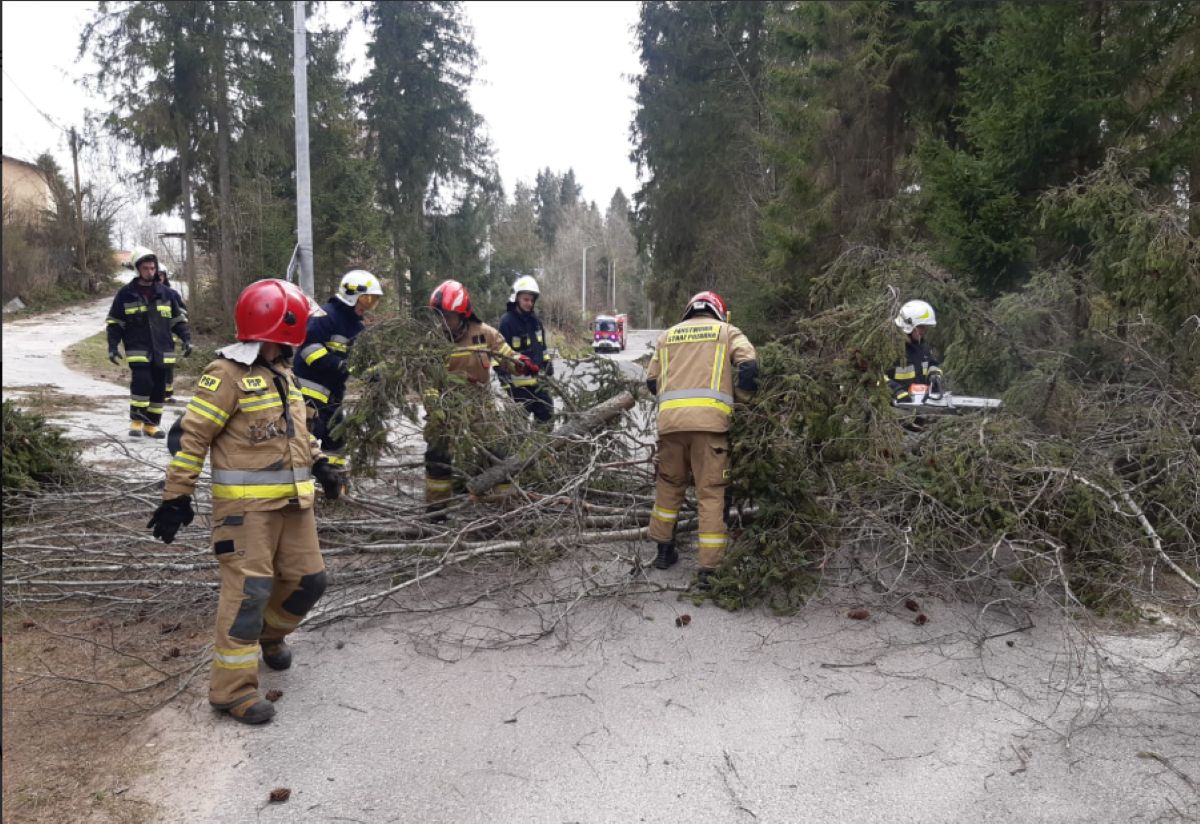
704	579
277	655
667	556
153	431
251	708
135	429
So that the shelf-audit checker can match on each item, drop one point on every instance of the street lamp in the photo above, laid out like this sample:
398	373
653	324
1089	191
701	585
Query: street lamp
583	280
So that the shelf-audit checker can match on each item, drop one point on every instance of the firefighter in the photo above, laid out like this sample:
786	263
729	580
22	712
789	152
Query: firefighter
248	412
476	345
324	362
143	316
919	365
699	366
169	391
522	328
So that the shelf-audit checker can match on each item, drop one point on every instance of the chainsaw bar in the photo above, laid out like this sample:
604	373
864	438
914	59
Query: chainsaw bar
951	401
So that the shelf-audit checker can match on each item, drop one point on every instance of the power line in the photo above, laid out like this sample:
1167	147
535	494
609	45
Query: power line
48	118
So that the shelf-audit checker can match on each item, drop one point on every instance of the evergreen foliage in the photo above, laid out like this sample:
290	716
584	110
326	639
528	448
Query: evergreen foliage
36	454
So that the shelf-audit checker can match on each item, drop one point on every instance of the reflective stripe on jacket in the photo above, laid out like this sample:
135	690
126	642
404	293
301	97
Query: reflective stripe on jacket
472	356
145	327
918	366
524	333
252	419
695	365
320	362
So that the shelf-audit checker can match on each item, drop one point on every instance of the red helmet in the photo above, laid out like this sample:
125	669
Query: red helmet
451	296
706	300
272	311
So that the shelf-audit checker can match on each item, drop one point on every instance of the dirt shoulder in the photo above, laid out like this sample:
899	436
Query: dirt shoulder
75	713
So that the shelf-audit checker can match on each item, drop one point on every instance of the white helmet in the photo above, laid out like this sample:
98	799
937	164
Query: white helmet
358	282
140	254
913	314
525	283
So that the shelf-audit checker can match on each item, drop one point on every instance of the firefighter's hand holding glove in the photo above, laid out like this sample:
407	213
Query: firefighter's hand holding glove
528	367
329	478
170	516
114	355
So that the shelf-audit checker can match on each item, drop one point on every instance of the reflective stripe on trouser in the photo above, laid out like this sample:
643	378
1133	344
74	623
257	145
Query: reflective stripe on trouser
703	456
439	459
323	419
147	387
271	575
170	379
439	483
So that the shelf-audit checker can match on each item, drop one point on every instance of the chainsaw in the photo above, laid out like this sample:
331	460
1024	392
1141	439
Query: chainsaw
932	398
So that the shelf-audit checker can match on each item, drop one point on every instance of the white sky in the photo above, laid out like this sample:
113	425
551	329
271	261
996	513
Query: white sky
553	84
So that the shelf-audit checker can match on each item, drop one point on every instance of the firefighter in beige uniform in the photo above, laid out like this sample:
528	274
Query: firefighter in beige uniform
248	411
698	366
469	369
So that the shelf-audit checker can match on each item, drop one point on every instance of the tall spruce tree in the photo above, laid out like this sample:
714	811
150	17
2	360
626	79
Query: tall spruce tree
697	130
426	138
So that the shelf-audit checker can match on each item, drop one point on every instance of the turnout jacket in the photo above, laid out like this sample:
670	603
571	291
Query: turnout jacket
252	420
321	367
919	364
693	374
145	327
524	333
474	348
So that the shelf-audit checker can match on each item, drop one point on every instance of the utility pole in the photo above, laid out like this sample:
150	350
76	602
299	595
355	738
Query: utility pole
304	235
583	280
82	262
612	278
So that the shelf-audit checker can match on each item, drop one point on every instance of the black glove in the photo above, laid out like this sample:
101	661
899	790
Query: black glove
171	515
329	478
344	367
548	368
114	355
187	348
900	395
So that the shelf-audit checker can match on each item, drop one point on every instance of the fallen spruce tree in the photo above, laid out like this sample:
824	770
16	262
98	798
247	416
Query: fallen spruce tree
1085	486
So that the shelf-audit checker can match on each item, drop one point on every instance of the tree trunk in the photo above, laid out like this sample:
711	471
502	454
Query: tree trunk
586	422
185	189
225	262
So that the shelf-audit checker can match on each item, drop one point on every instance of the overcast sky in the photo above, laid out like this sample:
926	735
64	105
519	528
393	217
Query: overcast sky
553	84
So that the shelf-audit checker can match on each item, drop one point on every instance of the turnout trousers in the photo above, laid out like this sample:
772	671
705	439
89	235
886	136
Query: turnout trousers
535	399
147	388
704	457
323	418
272	574
440	483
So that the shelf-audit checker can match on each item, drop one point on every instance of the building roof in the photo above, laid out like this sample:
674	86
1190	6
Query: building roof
21	162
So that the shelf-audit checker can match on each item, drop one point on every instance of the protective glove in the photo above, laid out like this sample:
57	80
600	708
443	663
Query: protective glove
187	348
344	367
530	367
170	516
935	385
329	478
114	355
548	369
900	395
